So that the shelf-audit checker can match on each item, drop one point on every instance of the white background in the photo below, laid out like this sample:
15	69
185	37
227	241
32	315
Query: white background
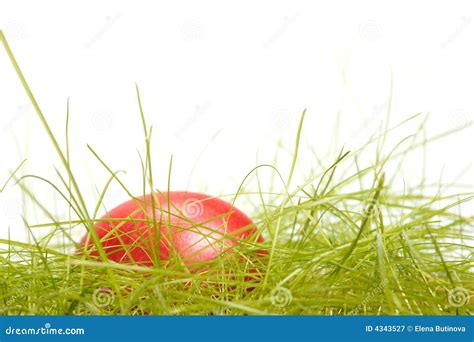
222	82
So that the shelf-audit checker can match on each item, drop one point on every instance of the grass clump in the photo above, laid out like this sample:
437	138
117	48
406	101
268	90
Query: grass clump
344	241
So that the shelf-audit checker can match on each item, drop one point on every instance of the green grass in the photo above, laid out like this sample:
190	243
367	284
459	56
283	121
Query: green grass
344	241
